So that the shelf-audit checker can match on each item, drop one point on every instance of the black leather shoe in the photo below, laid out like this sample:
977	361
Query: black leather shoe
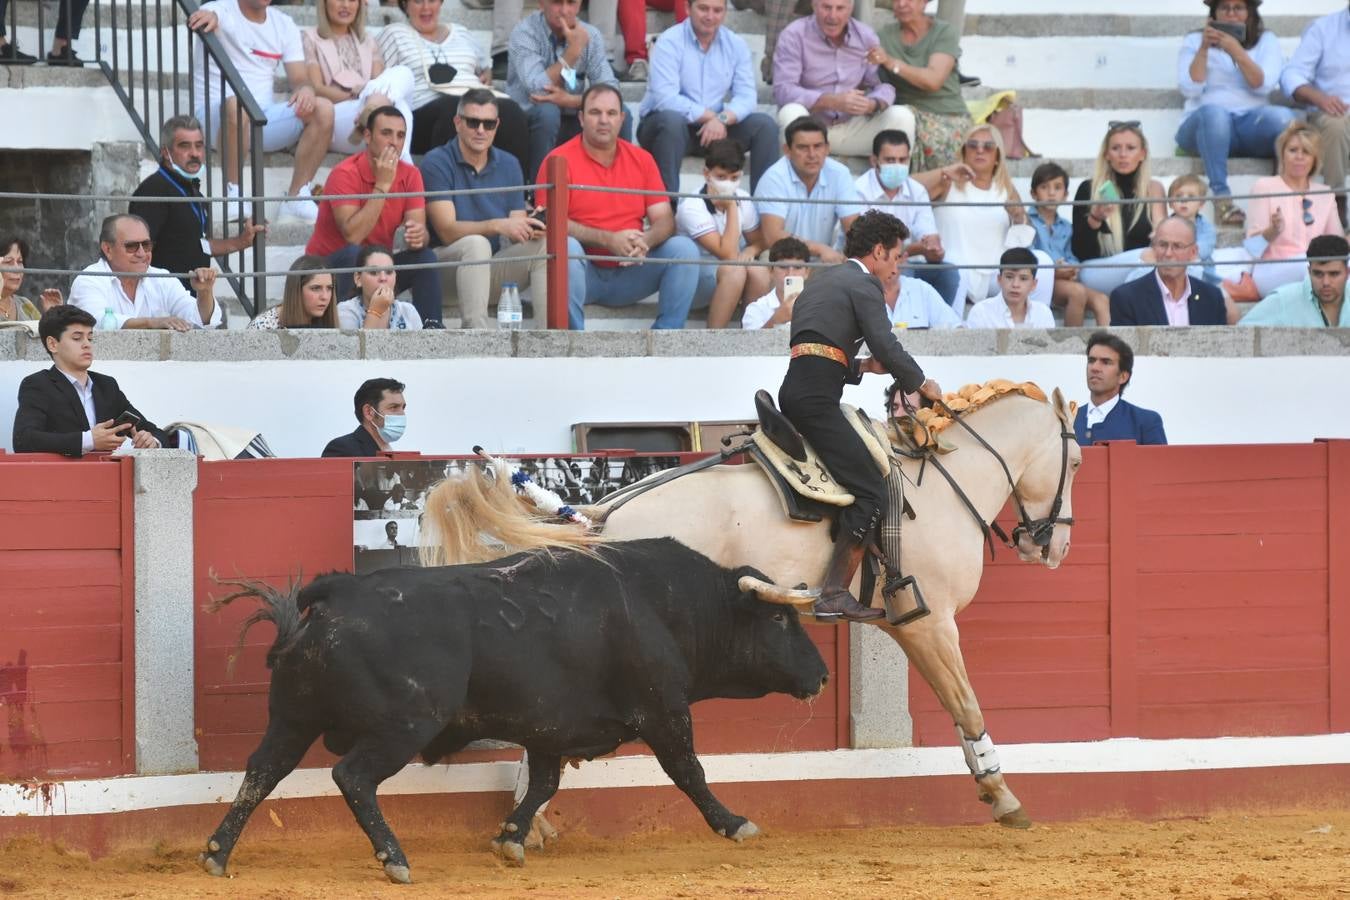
64	57
968	80
11	55
841	605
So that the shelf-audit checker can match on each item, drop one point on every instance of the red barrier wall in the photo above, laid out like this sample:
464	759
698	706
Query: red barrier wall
271	519
66	603
1206	594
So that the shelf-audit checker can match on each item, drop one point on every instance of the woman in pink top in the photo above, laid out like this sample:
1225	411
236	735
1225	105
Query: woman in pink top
1279	228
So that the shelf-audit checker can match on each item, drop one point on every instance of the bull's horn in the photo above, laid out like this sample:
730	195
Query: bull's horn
772	593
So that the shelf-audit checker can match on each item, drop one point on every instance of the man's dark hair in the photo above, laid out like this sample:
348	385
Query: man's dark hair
871	228
369	250
1047	172
1017	258
789	248
372	392
1323	248
726	154
804	123
1123	350
478	97
383	111
56	320
890	136
602	87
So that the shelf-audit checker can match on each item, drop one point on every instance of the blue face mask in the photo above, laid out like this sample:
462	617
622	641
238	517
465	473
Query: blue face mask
187	176
393	428
893	175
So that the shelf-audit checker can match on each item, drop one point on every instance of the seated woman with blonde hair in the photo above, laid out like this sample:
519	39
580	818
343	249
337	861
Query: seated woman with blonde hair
307	301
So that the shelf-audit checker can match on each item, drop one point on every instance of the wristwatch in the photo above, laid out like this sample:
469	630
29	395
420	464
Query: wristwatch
723	117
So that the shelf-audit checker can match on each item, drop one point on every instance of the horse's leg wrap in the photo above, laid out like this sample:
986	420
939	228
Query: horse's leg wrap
981	757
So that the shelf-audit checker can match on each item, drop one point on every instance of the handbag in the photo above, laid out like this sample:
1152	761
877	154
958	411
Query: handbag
1008	120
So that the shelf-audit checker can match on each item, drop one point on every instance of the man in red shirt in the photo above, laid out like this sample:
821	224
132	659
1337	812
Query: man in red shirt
344	226
612	224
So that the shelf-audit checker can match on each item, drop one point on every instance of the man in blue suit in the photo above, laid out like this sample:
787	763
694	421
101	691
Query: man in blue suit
1168	296
1107	417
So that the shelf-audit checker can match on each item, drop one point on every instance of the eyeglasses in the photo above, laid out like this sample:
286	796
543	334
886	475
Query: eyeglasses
1307	211
133	246
473	123
981	145
1171	247
1121	125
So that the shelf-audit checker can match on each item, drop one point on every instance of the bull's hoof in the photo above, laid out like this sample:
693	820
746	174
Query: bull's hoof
1015	819
398	874
745	832
511	852
211	865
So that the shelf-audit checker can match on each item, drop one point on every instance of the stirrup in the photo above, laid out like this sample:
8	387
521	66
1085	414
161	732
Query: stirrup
893	587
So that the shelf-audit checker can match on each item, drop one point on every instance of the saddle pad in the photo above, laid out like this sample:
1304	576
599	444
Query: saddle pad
810	479
863	426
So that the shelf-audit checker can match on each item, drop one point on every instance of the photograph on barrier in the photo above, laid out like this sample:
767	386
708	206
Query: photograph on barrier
388	496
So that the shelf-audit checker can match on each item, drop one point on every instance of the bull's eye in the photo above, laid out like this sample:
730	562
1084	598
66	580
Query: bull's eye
780	616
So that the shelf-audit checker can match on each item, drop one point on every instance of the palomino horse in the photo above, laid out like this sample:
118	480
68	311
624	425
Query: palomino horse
733	515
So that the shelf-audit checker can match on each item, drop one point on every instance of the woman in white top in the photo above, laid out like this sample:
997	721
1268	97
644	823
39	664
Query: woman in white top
1226	90
345	66
445	62
978	235
375	307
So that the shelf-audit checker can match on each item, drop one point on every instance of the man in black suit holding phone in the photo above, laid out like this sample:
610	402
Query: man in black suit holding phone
68	409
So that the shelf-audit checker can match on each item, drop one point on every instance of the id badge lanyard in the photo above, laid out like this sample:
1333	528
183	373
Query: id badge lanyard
197	212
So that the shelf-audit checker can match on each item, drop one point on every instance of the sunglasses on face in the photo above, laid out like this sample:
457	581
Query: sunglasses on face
474	124
1307	211
981	145
133	246
1121	125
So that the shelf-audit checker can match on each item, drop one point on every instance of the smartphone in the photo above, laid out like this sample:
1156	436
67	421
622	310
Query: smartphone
1108	193
127	418
792	285
1233	29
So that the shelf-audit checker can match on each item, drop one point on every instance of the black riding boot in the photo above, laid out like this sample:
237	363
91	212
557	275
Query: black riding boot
835	600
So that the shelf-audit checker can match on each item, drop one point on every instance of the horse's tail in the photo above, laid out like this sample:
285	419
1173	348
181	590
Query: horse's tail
475	517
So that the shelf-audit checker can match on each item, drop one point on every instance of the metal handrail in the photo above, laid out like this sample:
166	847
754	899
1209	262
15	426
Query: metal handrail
160	73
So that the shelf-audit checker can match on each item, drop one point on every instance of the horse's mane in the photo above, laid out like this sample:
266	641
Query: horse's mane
924	426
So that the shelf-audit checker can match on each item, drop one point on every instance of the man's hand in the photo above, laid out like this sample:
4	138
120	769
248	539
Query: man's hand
248	233
629	242
711	130
1065	273
414	234
872	366
302	100
553	94
51	297
831	256
855	103
203	21
144	440
930	248
203	280
170	323
1331	105
516	229
108	436
931	390
385	168
575	36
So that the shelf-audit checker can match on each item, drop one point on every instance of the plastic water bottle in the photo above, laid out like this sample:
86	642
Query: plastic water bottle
109	322
509	315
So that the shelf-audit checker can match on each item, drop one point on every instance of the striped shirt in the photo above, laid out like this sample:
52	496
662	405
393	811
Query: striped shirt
403	46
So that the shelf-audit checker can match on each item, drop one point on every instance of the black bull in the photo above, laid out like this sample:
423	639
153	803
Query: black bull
568	655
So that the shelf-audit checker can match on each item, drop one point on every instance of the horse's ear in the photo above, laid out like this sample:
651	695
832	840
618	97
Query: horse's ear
1062	409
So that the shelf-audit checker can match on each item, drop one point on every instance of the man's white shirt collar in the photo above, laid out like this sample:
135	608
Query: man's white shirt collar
1097	414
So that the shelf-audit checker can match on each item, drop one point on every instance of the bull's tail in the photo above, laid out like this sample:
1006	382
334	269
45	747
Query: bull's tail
475	517
280	607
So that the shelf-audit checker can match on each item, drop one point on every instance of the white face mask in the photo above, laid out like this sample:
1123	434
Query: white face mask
719	188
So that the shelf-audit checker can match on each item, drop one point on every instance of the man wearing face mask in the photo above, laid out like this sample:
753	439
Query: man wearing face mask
182	241
888	181
382	412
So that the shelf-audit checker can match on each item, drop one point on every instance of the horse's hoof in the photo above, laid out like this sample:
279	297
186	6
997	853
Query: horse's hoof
211	866
1015	819
510	851
541	833
745	832
398	874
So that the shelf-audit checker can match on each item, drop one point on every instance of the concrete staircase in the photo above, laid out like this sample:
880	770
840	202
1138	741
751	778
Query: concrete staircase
1072	71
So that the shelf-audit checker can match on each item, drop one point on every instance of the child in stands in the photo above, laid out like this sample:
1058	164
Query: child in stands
1049	187
1013	307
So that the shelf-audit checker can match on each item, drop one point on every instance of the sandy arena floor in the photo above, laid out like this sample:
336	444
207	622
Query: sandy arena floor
1290	855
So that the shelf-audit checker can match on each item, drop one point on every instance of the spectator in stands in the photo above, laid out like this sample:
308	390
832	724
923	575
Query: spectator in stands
1168	295
446	62
1107	416
1054	237
481	227
129	301
725	225
788	258
696	66
256	38
382	416
888	180
806	172
345	226
978	235
1110	234
70	14
1012	307
1317	77
68	409
1279	228
374	306
912	303
181	231
610	224
13	307
506	15
821	68
918	56
1226	88
346	67
554	59
306	302
1319	300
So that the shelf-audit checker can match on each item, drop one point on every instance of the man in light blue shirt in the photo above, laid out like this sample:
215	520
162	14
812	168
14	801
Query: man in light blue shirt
1318	301
701	89
1318	76
807	173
